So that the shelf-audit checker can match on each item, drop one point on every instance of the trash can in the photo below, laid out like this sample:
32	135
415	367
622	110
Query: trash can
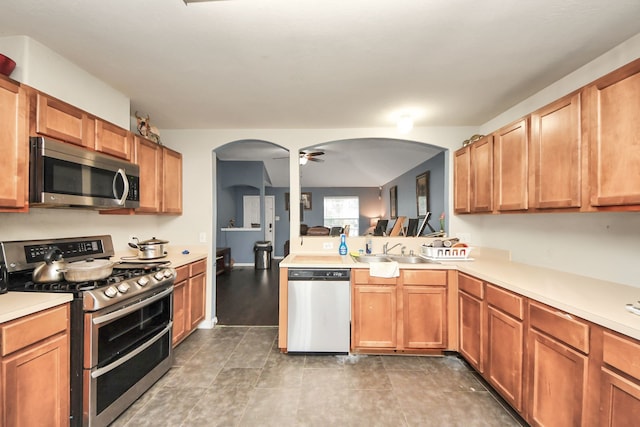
263	251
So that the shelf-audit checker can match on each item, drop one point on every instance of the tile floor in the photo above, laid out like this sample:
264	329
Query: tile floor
236	376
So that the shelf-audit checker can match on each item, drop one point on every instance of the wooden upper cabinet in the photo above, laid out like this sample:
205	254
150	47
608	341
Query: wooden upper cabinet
62	121
482	175
462	181
511	167
556	153
112	139
614	137
171	181
14	146
148	155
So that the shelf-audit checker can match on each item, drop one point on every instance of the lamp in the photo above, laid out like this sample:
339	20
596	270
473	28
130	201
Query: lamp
405	123
303	160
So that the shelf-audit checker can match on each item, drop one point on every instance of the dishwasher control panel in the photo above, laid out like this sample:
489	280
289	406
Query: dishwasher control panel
320	274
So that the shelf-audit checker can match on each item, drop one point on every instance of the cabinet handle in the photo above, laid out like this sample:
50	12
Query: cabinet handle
565	315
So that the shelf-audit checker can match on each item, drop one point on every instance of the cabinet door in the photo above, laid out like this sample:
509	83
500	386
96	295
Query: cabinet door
556	151
171	181
14	161
113	140
62	121
620	400
471	320
35	384
482	175
558	379
462	181
505	343
614	151
511	170
424	311
179	311
374	317
197	290
148	155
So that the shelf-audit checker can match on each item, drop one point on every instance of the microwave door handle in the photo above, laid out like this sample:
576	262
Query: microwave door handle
126	186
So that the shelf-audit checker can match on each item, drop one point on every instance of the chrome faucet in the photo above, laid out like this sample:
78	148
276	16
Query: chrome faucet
386	248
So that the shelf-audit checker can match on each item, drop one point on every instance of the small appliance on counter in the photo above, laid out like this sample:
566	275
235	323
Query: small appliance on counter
120	322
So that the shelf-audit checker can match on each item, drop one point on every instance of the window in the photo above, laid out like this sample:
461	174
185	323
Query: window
342	211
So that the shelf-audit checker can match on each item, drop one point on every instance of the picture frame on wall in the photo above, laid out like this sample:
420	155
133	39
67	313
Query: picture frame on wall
422	194
305	201
393	202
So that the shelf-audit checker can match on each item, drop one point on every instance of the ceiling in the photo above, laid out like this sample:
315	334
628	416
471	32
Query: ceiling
307	64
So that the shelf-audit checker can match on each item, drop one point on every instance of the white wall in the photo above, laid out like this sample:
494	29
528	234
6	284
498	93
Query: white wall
41	68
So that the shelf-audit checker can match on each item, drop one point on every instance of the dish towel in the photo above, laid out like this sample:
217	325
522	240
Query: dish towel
384	269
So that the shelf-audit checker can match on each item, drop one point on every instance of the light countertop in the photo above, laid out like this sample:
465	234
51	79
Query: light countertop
595	300
18	304
175	254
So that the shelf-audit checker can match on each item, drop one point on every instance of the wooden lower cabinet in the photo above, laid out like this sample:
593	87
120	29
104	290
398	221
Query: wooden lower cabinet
620	381
34	376
471	320
558	366
404	314
189	299
505	344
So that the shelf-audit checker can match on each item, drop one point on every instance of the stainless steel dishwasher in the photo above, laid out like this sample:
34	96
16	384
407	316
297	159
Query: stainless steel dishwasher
319	310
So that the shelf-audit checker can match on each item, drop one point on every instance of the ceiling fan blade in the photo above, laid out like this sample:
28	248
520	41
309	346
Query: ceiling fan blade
315	159
313	153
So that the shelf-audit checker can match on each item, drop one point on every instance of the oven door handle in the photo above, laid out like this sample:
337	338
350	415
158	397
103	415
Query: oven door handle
134	353
126	310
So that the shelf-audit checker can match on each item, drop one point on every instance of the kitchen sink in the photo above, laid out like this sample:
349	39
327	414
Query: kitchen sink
402	259
410	259
372	258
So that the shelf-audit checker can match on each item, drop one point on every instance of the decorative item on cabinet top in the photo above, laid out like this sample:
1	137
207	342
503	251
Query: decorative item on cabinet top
7	65
471	140
145	129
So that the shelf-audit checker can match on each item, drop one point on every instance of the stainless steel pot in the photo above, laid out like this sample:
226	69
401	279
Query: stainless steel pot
86	271
49	270
150	249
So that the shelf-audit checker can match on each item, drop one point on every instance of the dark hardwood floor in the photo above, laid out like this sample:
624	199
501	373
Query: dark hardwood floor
248	297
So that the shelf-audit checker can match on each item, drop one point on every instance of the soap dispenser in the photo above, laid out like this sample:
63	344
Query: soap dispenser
342	250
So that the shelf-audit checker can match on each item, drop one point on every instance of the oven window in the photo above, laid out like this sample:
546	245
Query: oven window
111	385
125	334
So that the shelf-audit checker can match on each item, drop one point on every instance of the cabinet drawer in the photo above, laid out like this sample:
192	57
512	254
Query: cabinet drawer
198	267
28	330
424	277
362	277
506	301
471	285
182	273
561	326
622	353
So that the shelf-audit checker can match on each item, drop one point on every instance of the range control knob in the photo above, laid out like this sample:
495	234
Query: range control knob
143	281
123	287
111	292
168	273
159	275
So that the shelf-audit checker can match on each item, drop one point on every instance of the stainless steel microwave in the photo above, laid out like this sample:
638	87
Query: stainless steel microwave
64	175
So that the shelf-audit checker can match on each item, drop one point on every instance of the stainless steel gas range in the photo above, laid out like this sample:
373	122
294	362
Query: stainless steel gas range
121	326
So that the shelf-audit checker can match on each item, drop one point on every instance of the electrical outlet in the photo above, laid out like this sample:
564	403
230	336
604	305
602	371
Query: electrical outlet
327	245
203	237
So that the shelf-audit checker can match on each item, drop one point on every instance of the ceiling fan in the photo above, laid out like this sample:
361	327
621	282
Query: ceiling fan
307	156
